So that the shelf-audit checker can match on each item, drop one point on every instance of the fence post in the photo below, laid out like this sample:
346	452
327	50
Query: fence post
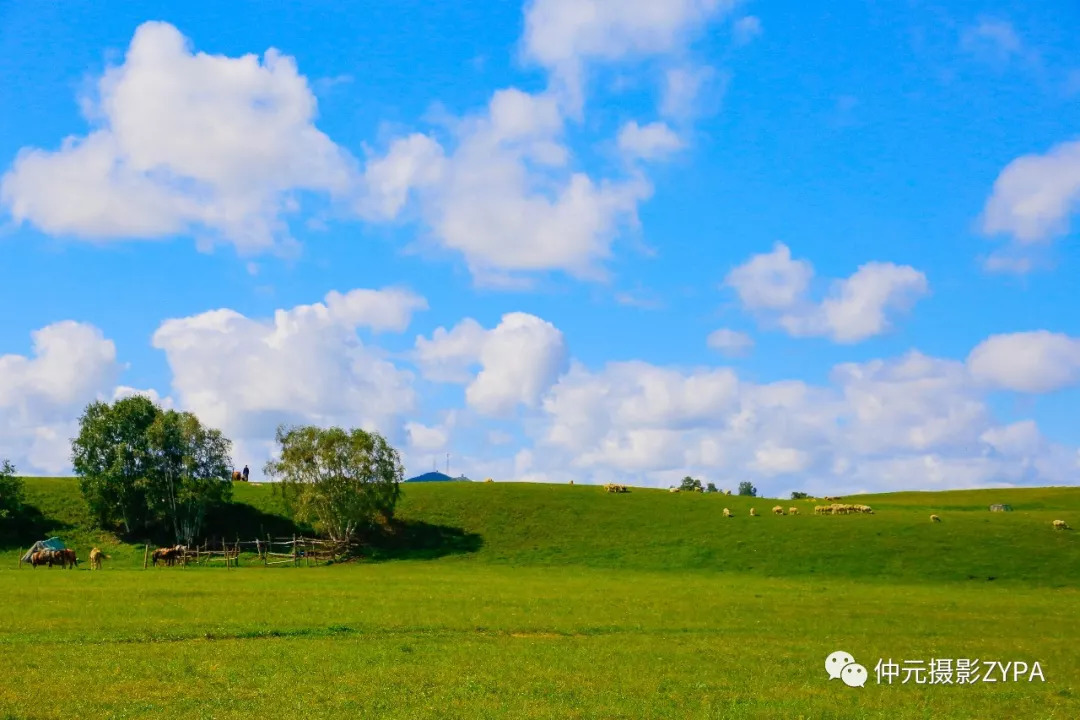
294	551
146	552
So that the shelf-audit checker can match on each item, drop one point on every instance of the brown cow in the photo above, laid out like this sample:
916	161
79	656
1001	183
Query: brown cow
237	476
68	558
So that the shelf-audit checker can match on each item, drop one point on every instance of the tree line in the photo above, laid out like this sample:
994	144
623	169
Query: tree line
142	468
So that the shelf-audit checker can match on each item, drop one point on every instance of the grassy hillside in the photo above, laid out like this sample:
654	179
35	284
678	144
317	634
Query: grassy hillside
543	601
532	524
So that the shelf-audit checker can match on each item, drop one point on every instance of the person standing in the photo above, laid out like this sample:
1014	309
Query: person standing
246	471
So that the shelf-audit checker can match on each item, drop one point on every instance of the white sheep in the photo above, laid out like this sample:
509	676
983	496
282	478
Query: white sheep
727	513
778	510
1061	525
753	512
935	518
673	490
793	511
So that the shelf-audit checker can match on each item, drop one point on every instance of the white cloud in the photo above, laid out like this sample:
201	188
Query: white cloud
776	287
1035	196
771	281
423	437
306	365
565	36
183	142
504	197
650	142
1030	362
71	365
746	29
683	89
903	423
519	359
730	342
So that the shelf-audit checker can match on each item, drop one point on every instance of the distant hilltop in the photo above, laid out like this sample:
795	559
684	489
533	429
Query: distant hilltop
437	477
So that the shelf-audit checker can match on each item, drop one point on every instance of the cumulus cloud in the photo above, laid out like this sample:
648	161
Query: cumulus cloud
503	197
1030	362
566	36
730	342
650	142
183	141
307	364
41	395
518	360
908	422
1032	202
776	288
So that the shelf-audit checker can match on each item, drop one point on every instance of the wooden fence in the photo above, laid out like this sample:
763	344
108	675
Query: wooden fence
270	551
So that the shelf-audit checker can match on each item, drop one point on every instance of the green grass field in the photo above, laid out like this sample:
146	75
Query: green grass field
520	600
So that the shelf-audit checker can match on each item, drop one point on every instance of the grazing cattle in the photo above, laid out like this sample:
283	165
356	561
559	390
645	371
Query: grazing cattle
168	555
1061	525
41	557
778	510
935	518
68	558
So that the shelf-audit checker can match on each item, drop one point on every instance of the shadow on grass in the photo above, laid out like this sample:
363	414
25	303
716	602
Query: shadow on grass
29	526
418	540
248	523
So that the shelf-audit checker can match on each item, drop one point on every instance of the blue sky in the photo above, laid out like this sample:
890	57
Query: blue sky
872	201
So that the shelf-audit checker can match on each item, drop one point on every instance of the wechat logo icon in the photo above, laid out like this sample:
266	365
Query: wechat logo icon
843	666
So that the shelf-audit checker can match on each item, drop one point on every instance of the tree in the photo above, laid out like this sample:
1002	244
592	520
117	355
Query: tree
343	482
711	487
142	467
799	495
690	484
745	488
190	471
11	492
113	459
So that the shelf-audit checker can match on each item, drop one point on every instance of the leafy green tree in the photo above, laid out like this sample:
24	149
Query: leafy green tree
343	482
711	487
690	484
799	495
745	488
11	492
114	460
190	471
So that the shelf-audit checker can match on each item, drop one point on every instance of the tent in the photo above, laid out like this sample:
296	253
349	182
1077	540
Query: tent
53	543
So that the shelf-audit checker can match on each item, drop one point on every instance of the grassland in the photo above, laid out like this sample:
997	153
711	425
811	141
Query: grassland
515	600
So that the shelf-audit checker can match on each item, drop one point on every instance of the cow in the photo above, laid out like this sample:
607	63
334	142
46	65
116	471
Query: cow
237	476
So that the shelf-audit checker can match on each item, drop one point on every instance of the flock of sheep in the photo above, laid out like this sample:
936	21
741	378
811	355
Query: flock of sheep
835	508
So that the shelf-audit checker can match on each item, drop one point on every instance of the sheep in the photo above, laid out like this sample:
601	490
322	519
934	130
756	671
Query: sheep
727	492
753	512
793	511
727	513
673	490
935	518
778	510
571	482
489	480
1061	525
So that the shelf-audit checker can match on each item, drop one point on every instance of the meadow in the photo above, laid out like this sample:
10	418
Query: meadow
540	601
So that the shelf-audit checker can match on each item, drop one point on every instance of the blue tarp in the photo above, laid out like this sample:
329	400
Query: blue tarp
53	543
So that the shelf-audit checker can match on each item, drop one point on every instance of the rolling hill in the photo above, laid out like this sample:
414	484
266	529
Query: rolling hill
645	529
